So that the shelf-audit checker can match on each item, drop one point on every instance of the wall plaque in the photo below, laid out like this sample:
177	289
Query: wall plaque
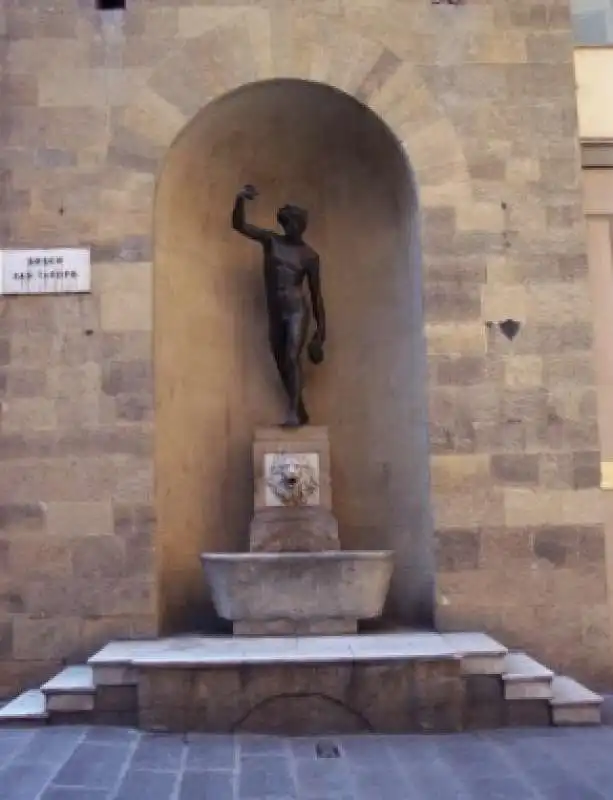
58	271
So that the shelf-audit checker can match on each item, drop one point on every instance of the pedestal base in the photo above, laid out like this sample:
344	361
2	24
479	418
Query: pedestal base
298	529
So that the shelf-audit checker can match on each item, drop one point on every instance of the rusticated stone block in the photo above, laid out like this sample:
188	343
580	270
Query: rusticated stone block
516	468
163	687
590	545
122	377
484	702
457	549
164	697
102	556
6	639
22	517
586	469
121	699
5	351
26	382
220	698
125	346
130	249
439	695
40	639
79	519
451	302
385	711
555	544
459	370
528	713
37	555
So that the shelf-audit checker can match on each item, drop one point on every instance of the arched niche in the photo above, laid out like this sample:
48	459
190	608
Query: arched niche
312	145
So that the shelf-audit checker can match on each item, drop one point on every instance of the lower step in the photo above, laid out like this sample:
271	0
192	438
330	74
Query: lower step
573	704
28	708
71	691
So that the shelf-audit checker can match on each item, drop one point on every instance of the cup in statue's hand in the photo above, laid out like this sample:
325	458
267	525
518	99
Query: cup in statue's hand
315	350
249	192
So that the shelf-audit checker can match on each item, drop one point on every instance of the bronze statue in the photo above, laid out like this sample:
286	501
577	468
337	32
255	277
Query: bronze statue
288	260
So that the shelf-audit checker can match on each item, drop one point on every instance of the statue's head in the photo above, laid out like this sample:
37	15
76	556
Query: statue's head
293	220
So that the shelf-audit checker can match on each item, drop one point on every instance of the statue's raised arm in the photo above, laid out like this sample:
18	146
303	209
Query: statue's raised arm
239	222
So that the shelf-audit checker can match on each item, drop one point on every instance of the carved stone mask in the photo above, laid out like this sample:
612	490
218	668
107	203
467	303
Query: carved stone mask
291	480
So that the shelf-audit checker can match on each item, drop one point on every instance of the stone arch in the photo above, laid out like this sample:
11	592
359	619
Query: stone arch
302	713
229	47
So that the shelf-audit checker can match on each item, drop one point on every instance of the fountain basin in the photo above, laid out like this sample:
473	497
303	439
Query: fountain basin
298	593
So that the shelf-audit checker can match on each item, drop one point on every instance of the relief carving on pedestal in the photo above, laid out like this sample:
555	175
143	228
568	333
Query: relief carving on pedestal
292	479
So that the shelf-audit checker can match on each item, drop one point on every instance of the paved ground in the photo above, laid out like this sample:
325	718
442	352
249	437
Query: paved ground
119	764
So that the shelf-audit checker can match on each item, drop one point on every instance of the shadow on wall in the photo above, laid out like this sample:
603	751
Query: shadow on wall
308	144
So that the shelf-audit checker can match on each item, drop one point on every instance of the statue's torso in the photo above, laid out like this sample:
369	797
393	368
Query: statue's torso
285	268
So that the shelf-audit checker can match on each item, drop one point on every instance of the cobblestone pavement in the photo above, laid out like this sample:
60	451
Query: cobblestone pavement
120	764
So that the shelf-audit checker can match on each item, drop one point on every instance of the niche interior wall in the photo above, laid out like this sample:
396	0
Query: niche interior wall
308	144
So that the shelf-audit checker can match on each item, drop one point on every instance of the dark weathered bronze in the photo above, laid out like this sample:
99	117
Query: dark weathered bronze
288	261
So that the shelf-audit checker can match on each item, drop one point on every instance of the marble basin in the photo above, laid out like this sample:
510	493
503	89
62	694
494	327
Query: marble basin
298	593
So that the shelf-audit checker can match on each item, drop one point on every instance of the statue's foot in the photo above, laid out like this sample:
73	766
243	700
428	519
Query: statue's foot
292	421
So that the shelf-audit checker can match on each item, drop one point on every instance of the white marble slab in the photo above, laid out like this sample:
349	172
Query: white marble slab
520	667
574	704
567	692
123	652
72	680
469	644
197	651
414	646
28	706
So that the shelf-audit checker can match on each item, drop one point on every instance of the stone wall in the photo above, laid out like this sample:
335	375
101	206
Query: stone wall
482	97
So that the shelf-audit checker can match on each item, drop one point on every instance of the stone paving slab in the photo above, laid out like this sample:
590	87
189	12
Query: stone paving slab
85	763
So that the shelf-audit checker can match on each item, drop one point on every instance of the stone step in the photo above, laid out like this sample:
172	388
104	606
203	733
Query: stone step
480	654
526	679
72	690
27	708
574	704
202	651
112	666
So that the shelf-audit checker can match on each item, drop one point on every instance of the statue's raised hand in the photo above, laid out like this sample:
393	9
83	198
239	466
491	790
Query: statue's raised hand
248	192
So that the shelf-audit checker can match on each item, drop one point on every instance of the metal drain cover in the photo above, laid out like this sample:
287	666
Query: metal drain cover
327	750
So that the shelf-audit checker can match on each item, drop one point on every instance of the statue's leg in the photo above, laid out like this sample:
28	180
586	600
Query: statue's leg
296	338
278	341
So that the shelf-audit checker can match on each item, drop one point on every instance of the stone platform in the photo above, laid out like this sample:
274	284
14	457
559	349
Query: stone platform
388	682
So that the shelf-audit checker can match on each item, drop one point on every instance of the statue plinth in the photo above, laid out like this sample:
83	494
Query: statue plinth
311	447
293	497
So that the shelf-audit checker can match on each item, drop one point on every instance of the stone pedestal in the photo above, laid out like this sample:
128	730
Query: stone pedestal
295	580
293	496
294	529
307	447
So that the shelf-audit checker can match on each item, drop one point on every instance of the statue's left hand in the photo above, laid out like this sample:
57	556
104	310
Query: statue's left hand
315	349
